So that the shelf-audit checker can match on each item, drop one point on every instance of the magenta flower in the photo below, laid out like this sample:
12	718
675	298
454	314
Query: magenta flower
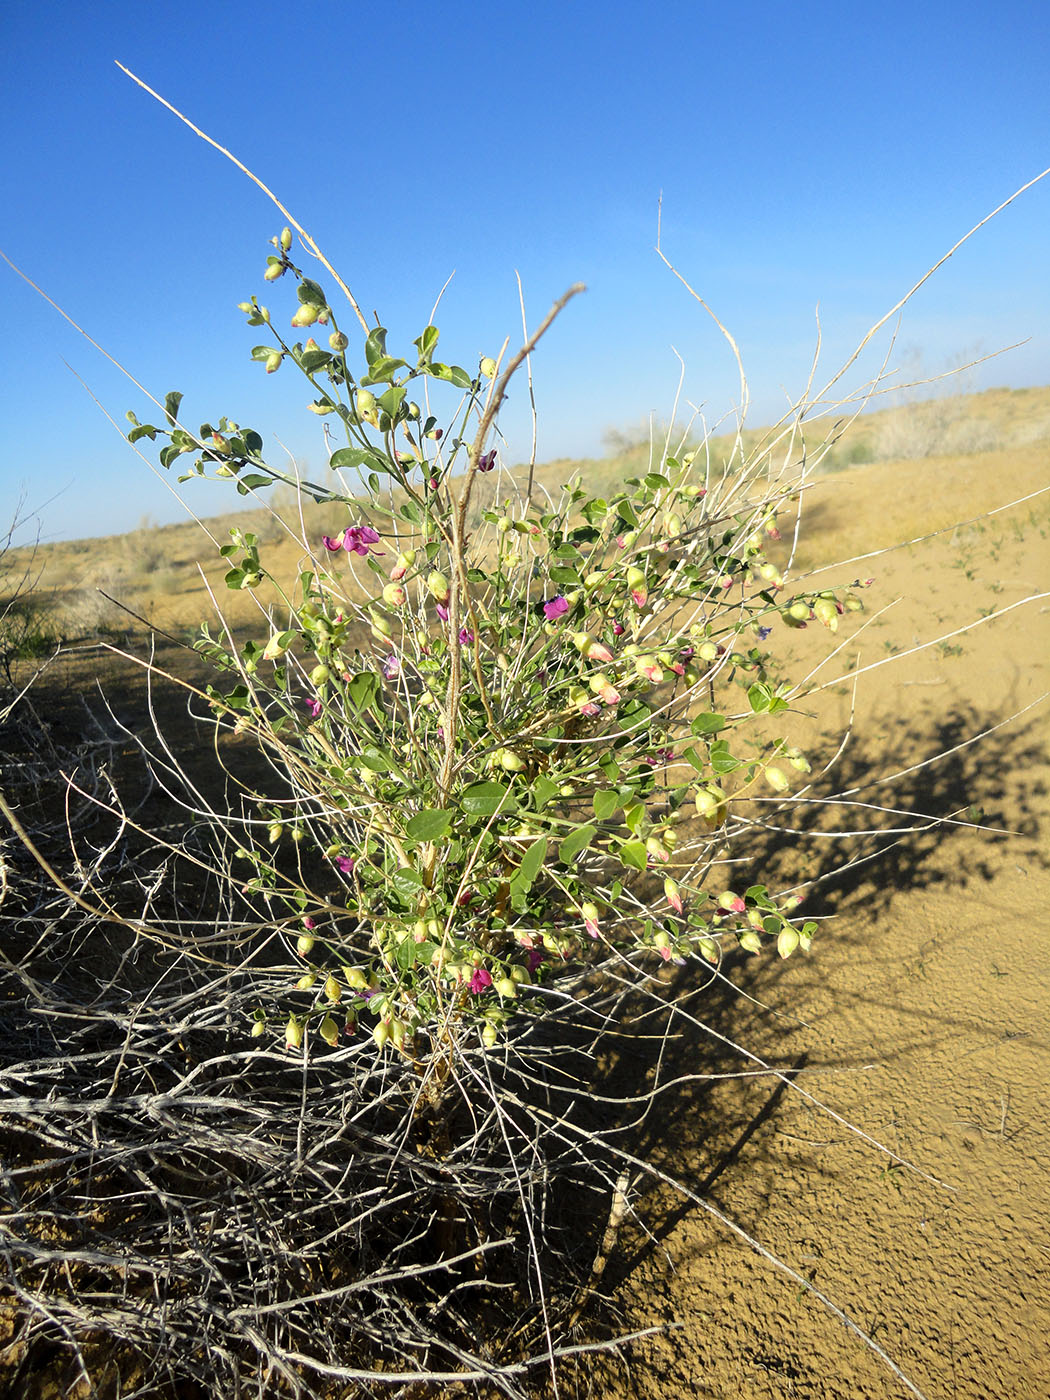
466	636
330	544
313	706
618	629
358	539
487	461
480	980
391	666
345	864
536	958
442	612
554	608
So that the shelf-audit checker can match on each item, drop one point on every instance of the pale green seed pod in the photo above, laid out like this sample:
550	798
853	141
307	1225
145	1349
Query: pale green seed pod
787	942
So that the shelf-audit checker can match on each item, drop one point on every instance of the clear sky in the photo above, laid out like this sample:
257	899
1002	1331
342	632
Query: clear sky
808	152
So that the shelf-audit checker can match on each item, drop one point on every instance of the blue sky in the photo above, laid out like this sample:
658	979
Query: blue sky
806	153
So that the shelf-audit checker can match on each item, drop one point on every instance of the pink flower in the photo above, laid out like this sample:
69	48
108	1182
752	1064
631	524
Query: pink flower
480	980
345	864
591	709
554	608
391	666
358	539
312	706
536	958
330	544
466	636
618	629
598	651
487	461
442	612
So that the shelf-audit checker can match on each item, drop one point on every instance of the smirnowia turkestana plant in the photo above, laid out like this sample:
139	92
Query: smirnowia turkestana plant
514	731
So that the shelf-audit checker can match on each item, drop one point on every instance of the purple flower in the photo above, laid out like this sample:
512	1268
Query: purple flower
556	607
391	666
487	461
330	544
763	633
358	538
466	636
313	706
442	612
345	864
480	980
618	629
535	958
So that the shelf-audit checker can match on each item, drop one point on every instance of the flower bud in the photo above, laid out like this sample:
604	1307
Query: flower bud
305	945
306	315
488	367
507	988
731	903
776	778
275	832
320	674
333	989
328	1030
355	978
437	583
293	1033
286	239
394	595
338	341
273	361
366	402
827	613
510	761
274	270
750	942
708	949
787	942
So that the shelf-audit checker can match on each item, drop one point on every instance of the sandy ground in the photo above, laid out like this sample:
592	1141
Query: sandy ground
920	1016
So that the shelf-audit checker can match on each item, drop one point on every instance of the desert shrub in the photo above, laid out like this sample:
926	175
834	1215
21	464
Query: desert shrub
495	758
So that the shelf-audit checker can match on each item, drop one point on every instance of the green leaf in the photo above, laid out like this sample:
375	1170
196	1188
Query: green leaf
563	574
707	724
531	864
382	369
143	430
375	345
407	954
452	374
763	699
375	759
722	761
391	400
406	881
359	457
576	842
254	481
634	855
171	406
656	482
483	799
427	342
361	689
605	803
700	764
311	360
410	511
543	789
625	511
429	825
633	816
310	294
